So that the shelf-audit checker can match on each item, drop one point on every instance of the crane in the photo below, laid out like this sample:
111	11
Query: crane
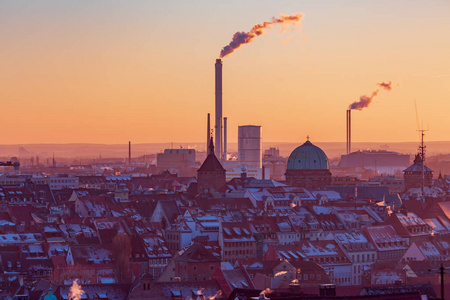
14	164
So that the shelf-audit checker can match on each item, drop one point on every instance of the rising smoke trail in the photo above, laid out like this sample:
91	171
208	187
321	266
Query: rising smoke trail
364	101
280	273
266	292
240	38
386	85
75	291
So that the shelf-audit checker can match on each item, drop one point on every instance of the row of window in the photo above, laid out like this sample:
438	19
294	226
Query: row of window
358	246
159	261
238	252
364	258
342	280
359	269
63	181
304	277
390	254
335	259
238	244
420	229
173	237
392	244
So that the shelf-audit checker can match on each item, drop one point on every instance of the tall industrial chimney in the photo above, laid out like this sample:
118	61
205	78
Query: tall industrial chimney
208	132
225	139
129	153
218	126
349	131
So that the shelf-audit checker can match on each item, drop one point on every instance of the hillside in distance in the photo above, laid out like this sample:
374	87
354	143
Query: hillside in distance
333	150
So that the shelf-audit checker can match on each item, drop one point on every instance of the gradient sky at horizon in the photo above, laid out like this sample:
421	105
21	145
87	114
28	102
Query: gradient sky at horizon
113	71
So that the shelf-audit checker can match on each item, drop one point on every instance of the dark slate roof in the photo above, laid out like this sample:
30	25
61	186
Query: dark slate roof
364	192
211	163
170	208
425	289
281	294
208	203
417	168
197	253
187	289
146	207
113	291
91	179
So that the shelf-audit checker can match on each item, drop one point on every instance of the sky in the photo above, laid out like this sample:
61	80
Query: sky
114	71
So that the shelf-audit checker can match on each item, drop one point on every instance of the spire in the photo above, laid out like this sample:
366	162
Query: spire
211	146
418	159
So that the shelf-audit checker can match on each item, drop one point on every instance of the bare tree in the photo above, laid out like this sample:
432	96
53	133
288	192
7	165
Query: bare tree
121	252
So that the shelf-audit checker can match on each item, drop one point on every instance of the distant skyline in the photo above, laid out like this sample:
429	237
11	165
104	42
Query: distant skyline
114	71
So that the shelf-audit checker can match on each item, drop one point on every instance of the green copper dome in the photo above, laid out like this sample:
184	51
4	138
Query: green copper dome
307	157
50	295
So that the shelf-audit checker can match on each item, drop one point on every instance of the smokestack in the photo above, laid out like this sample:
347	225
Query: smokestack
129	153
218	127
208	132
349	131
225	139
346	131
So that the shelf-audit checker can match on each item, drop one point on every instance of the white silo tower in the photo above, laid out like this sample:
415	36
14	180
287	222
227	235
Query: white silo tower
250	145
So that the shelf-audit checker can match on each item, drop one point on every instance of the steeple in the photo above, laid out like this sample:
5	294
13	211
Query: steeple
418	159
211	146
211	174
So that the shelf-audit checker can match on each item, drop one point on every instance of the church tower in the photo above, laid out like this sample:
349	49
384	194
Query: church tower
413	176
211	175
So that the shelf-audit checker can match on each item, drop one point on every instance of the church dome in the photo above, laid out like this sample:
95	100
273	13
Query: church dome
50	295
307	157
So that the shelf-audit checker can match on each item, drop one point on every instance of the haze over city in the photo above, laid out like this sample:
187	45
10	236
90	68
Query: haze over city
110	72
195	150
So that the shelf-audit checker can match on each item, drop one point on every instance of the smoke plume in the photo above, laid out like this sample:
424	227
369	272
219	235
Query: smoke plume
75	291
364	101
386	85
241	38
266	292
218	294
280	273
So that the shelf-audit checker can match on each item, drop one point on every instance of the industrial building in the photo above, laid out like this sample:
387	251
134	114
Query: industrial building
176	158
379	161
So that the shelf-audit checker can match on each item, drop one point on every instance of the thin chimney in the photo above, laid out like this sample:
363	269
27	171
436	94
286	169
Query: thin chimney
225	139
129	153
218	126
208	131
349	131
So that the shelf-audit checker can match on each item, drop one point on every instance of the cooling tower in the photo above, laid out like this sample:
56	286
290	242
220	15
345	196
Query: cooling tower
250	145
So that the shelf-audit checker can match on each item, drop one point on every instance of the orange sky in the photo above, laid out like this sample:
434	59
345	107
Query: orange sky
112	72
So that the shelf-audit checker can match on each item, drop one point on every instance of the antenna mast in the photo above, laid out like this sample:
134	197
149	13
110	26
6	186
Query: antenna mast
422	156
421	150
